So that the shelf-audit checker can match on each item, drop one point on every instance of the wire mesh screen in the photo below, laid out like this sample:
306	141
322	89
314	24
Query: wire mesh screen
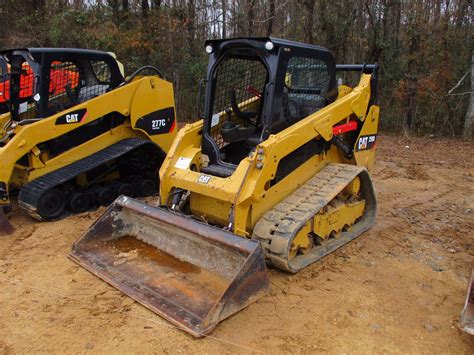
4	86
244	80
101	71
25	92
306	86
96	83
74	83
63	85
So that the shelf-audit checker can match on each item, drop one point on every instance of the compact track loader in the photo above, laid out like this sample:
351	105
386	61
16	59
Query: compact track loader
77	133
276	171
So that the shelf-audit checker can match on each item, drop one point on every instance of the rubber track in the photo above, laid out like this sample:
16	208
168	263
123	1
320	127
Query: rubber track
276	229
30	193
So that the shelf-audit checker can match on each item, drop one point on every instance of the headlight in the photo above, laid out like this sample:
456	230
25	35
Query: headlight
208	49
269	46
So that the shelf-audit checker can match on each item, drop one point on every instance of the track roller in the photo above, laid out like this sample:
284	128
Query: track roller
79	202
105	196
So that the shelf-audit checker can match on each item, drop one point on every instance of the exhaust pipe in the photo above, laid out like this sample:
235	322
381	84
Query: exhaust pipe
190	273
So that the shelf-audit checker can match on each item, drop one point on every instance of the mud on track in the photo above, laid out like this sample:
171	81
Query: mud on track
398	288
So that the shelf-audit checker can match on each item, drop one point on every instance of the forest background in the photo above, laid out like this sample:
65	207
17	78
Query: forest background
424	47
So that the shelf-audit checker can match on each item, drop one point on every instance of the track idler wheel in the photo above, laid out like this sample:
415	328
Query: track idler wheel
302	243
79	202
51	204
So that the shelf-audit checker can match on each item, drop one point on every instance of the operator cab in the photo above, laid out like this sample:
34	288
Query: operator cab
44	81
257	87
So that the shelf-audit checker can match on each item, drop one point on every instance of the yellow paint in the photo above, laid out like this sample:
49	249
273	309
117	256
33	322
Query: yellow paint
302	242
334	221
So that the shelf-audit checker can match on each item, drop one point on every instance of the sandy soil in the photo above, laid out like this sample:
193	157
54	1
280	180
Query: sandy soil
398	288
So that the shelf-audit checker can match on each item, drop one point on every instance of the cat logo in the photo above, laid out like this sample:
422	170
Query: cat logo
204	179
366	142
72	118
76	116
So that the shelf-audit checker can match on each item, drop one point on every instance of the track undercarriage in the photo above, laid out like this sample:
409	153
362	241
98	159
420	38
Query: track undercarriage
128	167
328	211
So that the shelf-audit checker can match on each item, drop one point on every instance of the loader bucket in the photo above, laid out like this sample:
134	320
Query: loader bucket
467	315
192	274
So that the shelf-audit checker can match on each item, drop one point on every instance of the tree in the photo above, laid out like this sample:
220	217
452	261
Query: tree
308	22
423	46
250	17
468	128
271	15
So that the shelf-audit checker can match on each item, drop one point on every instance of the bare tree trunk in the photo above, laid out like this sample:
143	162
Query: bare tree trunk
411	103
234	18
468	129
224	13
191	26
412	83
125	6
308	22
145	9
271	15
114	4
39	4
250	16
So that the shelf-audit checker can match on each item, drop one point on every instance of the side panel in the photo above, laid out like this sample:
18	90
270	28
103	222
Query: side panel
153	112
365	145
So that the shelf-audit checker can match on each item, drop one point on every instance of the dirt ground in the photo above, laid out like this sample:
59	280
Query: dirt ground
398	288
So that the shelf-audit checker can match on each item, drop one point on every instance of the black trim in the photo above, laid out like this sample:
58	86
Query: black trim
72	117
298	157
278	42
365	68
82	134
157	122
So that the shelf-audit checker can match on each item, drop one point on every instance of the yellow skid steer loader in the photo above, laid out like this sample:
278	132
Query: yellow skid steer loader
77	133
276	171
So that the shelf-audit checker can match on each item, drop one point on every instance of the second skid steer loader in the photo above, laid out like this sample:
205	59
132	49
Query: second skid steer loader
77	133
277	171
